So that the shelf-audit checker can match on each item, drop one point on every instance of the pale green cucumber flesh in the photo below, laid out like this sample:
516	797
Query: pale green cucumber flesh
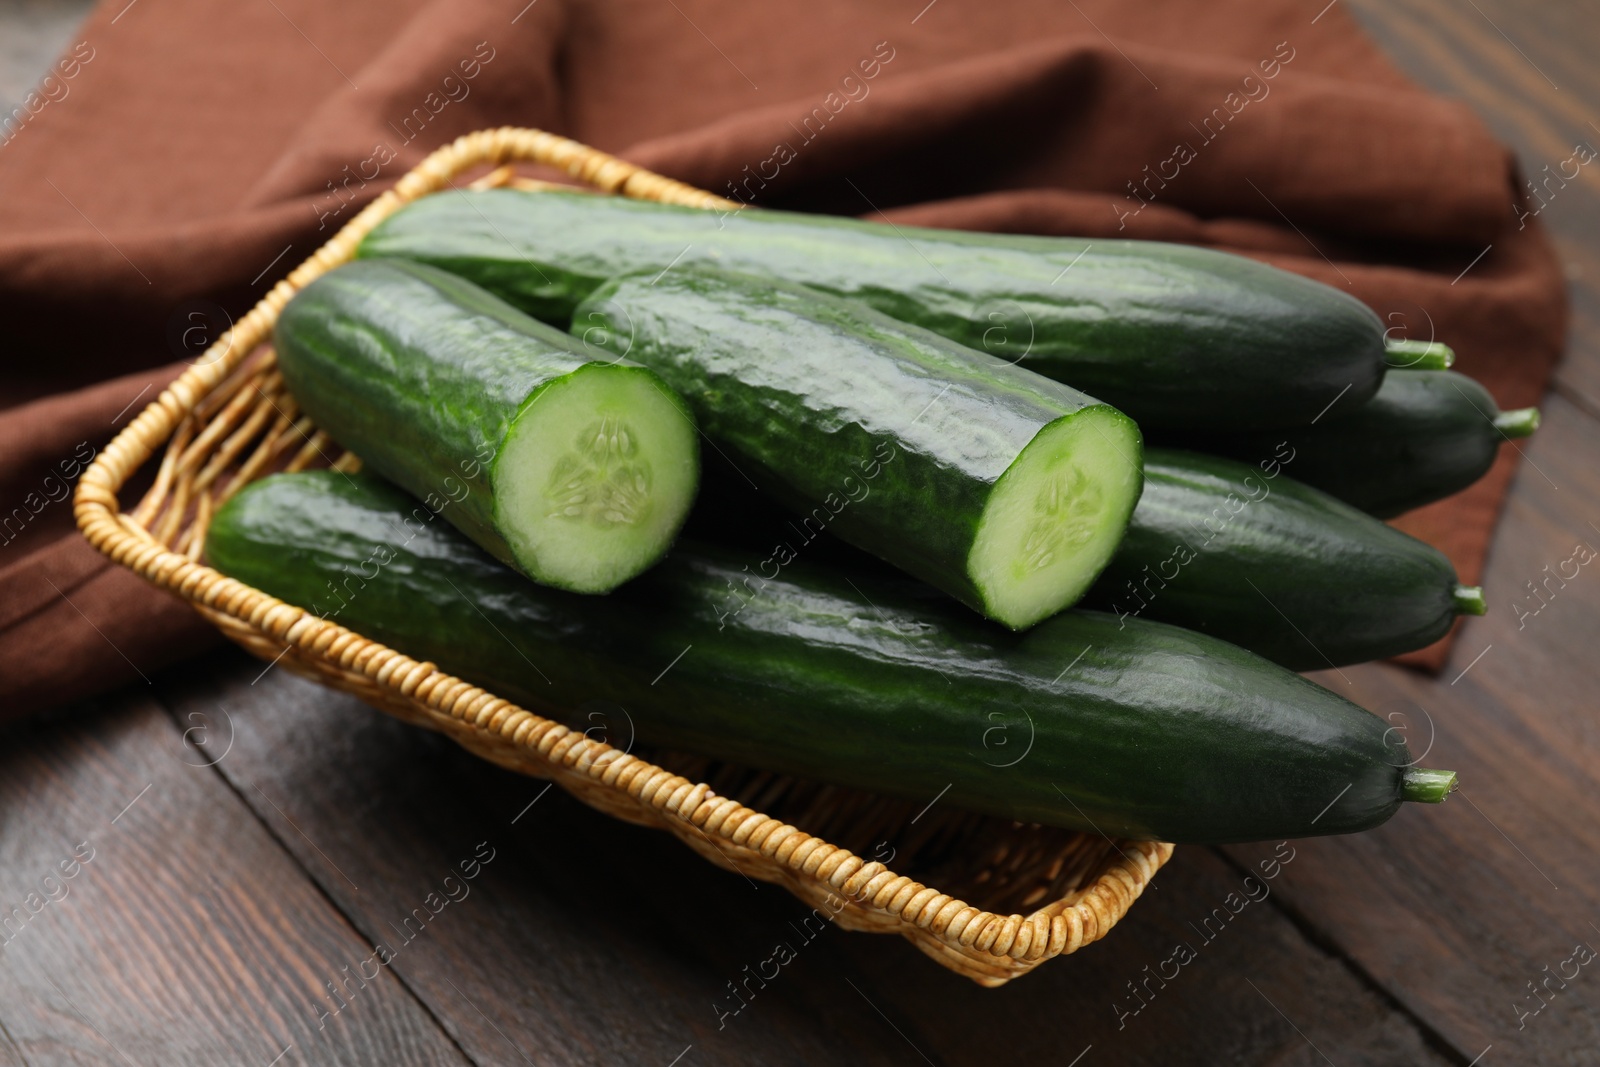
597	474
1055	517
576	470
1003	489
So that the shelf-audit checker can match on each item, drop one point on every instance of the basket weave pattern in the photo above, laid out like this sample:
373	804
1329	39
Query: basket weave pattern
228	420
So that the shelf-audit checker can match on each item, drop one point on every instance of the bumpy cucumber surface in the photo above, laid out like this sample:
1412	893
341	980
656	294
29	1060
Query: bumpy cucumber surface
578	471
1174	335
1248	554
1007	490
1425	435
1134	729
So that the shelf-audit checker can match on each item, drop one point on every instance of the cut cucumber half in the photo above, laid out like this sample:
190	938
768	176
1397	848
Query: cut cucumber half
596	477
1004	489
577	471
1054	519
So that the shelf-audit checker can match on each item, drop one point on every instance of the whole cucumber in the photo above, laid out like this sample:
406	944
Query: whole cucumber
1131	729
1248	554
1174	335
1425	435
1006	490
577	471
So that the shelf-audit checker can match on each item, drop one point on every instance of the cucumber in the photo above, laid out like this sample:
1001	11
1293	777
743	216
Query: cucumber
1131	729
1243	553
1418	355
576	471
1173	335
1425	435
1247	554
1006	490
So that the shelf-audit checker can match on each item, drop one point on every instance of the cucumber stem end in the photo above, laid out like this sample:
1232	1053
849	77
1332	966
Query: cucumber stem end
1422	786
1519	422
1468	600
1418	355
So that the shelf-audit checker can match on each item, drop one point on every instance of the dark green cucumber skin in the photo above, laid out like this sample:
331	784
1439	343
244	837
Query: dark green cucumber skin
1224	548
897	434
421	374
1172	334
1353	588
1425	435
1138	729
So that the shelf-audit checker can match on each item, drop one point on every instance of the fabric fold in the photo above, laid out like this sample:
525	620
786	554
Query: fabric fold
1061	113
202	149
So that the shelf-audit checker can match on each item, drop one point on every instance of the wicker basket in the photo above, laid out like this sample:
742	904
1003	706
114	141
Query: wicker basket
228	420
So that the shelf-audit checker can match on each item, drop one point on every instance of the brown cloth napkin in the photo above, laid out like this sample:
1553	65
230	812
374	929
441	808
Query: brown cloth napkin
184	155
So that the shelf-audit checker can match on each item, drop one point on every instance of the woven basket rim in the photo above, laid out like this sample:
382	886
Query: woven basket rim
986	946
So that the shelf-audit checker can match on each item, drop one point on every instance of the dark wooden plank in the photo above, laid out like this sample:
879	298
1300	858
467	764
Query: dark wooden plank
585	940
36	34
1448	914
1520	67
10	1055
1457	909
1250	988
567	924
184	934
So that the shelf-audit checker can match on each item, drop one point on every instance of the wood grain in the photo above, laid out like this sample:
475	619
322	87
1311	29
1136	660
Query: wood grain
584	941
187	936
36	33
215	908
1522	69
1455	909
594	941
1256	991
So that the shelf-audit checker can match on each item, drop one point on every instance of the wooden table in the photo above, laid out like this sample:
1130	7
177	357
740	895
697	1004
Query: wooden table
237	840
